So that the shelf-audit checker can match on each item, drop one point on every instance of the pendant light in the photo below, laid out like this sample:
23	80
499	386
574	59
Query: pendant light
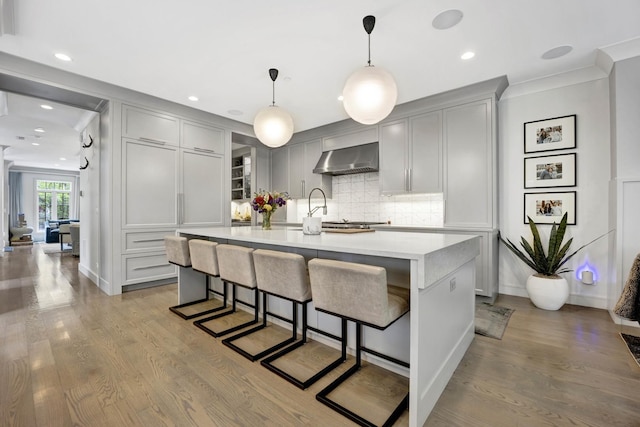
370	93
273	125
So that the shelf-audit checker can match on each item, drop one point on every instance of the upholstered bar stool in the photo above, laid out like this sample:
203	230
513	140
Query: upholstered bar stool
359	293
235	264
292	284
177	248
205	260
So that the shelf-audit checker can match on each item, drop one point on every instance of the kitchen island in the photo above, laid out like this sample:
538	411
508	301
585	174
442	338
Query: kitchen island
439	269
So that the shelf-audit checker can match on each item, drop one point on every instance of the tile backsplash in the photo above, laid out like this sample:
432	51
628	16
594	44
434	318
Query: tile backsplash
357	198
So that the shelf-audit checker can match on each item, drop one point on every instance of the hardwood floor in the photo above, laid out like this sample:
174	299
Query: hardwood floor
71	355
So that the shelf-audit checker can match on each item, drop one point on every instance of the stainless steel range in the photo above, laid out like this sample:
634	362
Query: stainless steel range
349	224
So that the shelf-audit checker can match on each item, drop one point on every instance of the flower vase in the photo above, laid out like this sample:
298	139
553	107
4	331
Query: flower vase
266	220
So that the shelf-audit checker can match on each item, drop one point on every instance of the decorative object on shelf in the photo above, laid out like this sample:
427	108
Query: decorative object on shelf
558	133
547	208
370	93
273	125
86	164
550	171
266	204
547	289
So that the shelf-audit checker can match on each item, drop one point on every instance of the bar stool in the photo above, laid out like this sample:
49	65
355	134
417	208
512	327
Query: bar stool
178	254
291	283
205	260
359	293
235	264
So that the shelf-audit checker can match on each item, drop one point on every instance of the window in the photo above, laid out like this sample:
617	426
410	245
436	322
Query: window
53	201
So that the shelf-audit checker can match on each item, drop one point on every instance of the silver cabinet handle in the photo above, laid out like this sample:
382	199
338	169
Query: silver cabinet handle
410	179
147	267
153	141
147	240
302	188
204	150
406	186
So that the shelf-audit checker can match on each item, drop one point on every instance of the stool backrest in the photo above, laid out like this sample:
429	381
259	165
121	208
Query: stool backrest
204	256
177	250
236	265
283	274
357	291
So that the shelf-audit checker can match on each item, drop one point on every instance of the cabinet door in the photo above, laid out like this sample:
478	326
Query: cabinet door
296	172
425	155
262	169
150	184
393	153
202	189
150	125
202	138
280	170
469	168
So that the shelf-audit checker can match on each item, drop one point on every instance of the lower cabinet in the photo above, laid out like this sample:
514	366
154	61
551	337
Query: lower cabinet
147	267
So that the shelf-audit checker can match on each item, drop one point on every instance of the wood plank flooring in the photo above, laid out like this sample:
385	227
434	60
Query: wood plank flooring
70	355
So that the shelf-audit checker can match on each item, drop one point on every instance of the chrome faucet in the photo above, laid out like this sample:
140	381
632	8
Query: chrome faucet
324	207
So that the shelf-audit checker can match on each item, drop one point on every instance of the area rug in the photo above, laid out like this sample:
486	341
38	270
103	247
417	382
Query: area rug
491	320
633	344
53	248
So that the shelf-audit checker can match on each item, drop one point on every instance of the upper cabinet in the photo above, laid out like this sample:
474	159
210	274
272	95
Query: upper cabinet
150	126
292	170
203	138
411	155
470	185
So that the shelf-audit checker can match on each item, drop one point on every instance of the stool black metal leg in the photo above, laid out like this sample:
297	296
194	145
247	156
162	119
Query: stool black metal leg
176	309
256	307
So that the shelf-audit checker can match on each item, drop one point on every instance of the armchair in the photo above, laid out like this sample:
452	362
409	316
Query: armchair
64	235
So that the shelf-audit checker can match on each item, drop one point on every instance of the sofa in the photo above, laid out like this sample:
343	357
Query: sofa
52	230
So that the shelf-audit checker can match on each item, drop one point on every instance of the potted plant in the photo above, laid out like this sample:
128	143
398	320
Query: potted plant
546	288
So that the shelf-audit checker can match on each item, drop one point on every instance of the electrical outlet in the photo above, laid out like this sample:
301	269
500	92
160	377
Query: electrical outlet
452	285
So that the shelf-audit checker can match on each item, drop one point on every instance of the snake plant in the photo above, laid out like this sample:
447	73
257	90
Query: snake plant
549	264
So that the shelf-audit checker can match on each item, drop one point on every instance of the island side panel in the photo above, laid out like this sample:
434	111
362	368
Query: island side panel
442	319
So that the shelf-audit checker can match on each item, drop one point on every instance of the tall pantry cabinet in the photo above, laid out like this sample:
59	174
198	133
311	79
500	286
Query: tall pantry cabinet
172	177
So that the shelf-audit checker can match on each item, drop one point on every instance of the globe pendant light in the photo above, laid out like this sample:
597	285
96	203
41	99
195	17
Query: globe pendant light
370	93
273	125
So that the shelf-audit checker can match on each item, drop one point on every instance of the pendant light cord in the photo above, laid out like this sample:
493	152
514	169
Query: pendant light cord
369	39
273	93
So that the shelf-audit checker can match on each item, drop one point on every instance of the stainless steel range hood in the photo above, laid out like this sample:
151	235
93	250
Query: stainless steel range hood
358	159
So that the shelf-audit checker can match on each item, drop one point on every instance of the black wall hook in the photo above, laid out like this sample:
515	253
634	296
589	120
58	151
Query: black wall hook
90	143
86	165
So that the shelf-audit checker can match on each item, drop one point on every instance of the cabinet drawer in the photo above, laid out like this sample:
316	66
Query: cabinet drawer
146	268
135	241
202	138
150	126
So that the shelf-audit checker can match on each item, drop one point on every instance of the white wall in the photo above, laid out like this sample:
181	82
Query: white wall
90	203
590	102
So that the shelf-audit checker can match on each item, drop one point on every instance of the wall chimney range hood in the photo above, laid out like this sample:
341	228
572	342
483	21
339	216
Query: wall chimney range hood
343	161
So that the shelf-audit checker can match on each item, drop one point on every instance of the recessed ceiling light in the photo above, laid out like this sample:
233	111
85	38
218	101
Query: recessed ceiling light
46	107
63	57
63	158
557	52
193	98
35	143
41	130
467	55
447	19
235	112
341	98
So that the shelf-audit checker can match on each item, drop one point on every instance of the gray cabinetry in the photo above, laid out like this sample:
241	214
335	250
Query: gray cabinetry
150	181
470	168
202	138
411	155
292	168
147	125
201	193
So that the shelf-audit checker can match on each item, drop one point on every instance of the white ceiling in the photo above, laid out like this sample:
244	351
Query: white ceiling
220	51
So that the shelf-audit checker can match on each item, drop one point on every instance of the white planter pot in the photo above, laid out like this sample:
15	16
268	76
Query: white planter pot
548	292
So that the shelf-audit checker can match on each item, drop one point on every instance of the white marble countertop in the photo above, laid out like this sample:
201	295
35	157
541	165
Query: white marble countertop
436	254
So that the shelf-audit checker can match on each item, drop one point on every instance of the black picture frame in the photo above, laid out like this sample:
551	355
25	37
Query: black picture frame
550	171
557	133
561	202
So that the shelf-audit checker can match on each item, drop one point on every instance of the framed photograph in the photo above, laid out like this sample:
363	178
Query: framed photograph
550	134
547	208
550	171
